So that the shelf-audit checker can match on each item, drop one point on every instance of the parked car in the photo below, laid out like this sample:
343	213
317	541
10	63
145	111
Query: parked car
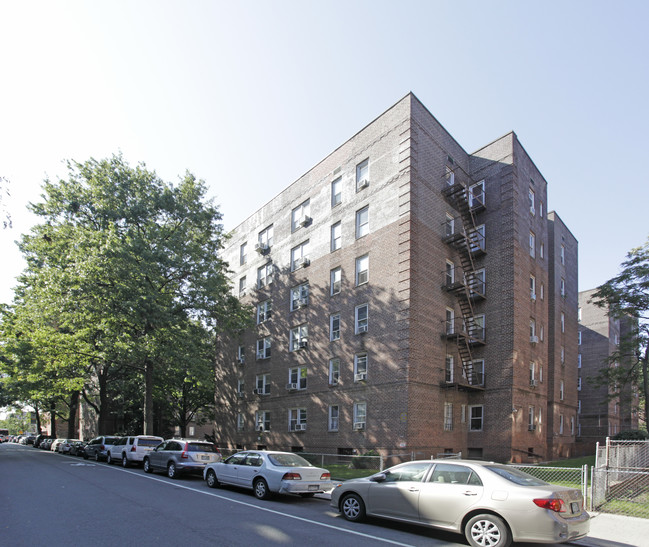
77	448
132	449
491	504
55	444
65	446
39	439
267	472
177	456
46	444
98	447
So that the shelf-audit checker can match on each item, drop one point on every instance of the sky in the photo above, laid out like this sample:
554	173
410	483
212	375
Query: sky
249	96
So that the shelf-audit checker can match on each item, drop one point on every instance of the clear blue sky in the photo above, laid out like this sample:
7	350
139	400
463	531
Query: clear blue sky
250	95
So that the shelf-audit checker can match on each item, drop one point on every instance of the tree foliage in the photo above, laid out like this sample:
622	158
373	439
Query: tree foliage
626	297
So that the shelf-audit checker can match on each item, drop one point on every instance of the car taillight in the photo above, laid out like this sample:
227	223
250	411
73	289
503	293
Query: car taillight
102	447
553	504
325	476
133	448
184	455
292	477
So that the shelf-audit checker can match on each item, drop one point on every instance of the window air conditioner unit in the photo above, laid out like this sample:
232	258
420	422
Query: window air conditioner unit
301	302
360	377
303	344
531	428
241	359
291	387
362	328
363	184
534	383
241	395
262	248
305	220
533	296
359	426
242	292
261	355
302	262
300	427
534	339
256	391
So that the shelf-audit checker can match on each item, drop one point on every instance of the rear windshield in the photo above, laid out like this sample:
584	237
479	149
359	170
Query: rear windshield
516	476
110	440
288	460
148	442
201	447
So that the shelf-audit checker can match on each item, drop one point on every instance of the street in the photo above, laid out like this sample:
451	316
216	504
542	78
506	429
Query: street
51	499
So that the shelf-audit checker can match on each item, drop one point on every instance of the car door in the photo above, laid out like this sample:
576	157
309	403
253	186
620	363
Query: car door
249	469
157	454
228	471
397	496
449	495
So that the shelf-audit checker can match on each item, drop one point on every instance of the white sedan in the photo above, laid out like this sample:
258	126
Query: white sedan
267	472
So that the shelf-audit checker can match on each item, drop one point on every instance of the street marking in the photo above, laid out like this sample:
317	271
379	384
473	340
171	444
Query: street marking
266	509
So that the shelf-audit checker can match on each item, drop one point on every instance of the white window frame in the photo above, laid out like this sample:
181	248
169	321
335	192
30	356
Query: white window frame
264	348
335	281
477	368
360	365
298	253
265	275
241	386
361	318
360	413
561	420
448	416
242	286
532	244
531	414
562	285
562	253
450	274
450	321
362	173
298	376
450	225
562	390
477	196
334	371
299	296
243	254
336	191
449	368
300	213
262	383
241	421
531	196
482	239
334	327
333	418
264	311
336	236
265	237
298	336
533	288
363	222
262	420
362	269
474	420
563	321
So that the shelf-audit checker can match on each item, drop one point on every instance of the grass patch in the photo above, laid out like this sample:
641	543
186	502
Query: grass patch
343	472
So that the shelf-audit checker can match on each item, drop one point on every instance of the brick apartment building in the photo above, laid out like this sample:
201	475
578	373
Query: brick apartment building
601	415
410	298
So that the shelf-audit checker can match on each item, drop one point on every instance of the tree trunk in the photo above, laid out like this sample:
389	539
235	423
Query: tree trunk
38	420
148	398
645	383
53	418
73	431
102	418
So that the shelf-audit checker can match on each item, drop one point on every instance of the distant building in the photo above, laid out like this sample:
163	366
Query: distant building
601	414
410	298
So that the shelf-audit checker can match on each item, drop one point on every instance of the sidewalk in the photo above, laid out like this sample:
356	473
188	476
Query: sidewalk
608	530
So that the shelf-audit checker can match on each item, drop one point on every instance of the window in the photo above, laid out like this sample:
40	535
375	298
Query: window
362	269
299	337
362	174
265	239
541	209
450	225
263	311
542	250
262	381
265	275
334	417
334	371
530	418
540	421
579	383
362	222
579	314
360	415
242	286
478	240
450	274
241	387
450	321
540	374
449	176
243	254
262	420
449	368
476	413
241	354
475	370
300	216
579	360
296	378
478	282
531	198
334	327
562	355
561	390
299	296
300	256
563	287
560	424
337	192
532	245
448	416
563	322
477	330
240	422
336	277
579	338
336	236
533	288
532	374
360	367
263	348
572	425
476	194
541	332
542	291
361	318
562	254
532	330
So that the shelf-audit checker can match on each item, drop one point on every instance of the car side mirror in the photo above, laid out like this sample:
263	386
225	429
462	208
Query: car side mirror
378	478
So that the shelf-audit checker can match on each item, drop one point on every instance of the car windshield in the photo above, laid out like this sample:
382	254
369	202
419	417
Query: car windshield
149	442
288	460
201	447
514	475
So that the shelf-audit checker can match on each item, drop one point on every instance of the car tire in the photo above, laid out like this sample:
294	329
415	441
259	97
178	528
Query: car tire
124	461
172	472
211	479
487	530
147	466
97	457
352	508
260	488
85	456
109	459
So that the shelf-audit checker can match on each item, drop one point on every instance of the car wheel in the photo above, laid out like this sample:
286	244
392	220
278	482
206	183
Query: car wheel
211	479
124	461
352	507
260	488
96	456
109	460
85	456
172	472
487	531
147	466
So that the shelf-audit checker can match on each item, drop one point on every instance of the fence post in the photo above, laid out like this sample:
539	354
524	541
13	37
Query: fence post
381	462
584	483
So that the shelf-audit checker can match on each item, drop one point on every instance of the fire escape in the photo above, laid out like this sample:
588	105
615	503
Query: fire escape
466	236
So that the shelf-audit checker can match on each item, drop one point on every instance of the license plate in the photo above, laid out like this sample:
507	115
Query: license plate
314	487
574	507
205	458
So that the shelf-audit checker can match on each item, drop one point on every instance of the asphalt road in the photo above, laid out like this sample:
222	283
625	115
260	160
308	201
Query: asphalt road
50	499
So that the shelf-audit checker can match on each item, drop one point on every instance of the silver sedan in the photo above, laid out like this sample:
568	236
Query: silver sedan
491	504
266	472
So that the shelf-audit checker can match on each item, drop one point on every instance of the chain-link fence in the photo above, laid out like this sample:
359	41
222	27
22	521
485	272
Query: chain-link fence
620	478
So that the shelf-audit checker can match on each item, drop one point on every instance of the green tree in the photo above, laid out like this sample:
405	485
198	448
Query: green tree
626	297
120	260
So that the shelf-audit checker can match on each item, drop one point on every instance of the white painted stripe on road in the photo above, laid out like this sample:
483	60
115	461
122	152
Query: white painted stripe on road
253	506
